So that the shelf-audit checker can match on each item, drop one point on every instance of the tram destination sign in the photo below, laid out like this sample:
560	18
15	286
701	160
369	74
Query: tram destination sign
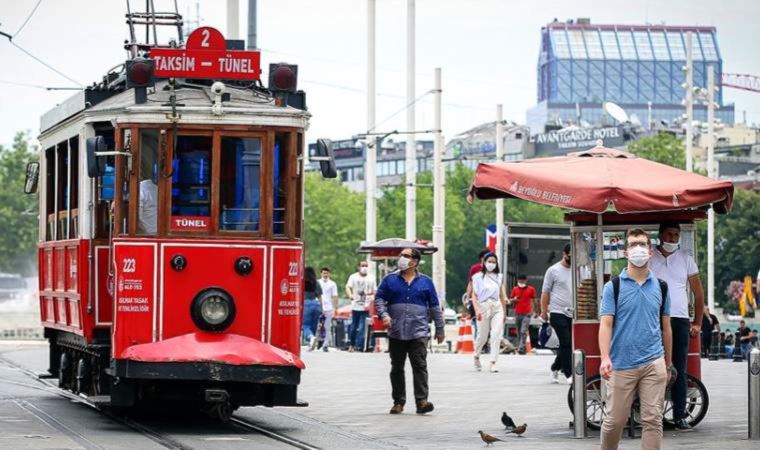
206	56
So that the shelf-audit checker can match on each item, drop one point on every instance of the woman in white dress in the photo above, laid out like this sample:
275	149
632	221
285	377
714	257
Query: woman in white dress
490	301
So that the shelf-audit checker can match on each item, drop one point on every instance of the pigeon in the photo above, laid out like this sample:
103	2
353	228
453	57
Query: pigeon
519	430
487	438
509	424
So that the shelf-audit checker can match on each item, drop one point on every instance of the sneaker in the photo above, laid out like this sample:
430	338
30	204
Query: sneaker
569	380
312	343
478	367
555	376
493	368
521	351
397	408
351	349
324	349
682	425
424	407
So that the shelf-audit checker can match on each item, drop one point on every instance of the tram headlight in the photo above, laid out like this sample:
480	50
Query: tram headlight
213	310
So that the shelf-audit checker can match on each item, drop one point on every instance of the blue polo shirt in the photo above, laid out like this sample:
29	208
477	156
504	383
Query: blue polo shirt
636	334
410	306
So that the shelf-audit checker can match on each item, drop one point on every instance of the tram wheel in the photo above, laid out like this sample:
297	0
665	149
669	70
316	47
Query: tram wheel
595	404
221	411
65	371
82	383
697	403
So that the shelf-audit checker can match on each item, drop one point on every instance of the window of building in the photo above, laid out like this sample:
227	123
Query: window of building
643	46
708	46
660	46
559	39
239	184
610	45
577	46
627	48
191	181
675	43
593	44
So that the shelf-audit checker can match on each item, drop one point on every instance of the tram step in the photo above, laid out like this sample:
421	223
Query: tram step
100	400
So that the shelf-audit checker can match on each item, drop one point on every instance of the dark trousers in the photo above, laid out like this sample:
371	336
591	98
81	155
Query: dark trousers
563	327
417	351
680	327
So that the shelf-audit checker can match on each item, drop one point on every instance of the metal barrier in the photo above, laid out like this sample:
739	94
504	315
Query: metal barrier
579	394
26	333
753	378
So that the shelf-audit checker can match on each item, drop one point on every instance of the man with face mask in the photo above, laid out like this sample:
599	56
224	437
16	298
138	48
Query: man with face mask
635	345
405	300
676	267
557	299
360	289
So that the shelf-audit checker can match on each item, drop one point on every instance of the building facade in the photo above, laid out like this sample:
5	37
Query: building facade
640	67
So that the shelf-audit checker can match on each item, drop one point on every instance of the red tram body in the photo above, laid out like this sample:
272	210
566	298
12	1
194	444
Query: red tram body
176	272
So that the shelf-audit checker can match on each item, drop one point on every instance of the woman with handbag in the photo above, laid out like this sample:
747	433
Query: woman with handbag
490	302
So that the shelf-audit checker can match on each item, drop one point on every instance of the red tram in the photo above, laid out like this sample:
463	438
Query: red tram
171	252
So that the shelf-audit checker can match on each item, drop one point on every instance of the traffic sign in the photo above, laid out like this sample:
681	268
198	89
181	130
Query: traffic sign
206	56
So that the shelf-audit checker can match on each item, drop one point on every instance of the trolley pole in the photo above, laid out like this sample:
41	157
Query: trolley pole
689	86
754	394
411	145
711	174
500	201
371	148
439	195
579	394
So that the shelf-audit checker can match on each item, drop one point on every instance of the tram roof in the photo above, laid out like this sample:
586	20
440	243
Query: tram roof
244	107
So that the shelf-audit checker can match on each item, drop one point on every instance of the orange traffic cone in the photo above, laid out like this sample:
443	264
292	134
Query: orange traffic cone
465	343
528	346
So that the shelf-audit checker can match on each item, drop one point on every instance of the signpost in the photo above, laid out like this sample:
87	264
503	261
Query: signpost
206	56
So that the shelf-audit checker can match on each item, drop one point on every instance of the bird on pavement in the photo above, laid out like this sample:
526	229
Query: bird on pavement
509	424
519	430
487	438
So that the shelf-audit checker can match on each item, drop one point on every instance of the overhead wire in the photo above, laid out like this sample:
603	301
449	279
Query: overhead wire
28	18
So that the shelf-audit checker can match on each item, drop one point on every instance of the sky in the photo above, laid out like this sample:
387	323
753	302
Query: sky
487	51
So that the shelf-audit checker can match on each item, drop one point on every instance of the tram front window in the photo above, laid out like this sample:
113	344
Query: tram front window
191	183
240	184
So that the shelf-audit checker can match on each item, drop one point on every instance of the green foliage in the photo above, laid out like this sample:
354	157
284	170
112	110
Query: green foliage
663	148
18	212
334	226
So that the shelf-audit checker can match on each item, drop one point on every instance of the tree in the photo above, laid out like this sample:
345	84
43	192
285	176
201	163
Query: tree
663	148
334	226
18	212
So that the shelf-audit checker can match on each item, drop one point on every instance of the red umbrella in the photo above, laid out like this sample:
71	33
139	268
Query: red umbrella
599	180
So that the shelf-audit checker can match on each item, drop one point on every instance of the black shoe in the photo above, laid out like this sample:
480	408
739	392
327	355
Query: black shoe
682	425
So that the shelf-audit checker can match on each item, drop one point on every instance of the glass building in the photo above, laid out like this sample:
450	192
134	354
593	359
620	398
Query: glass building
581	65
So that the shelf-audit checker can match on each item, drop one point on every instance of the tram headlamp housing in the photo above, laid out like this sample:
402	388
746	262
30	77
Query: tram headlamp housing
213	310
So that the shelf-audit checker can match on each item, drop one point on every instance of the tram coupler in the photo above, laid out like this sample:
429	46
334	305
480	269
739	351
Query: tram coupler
753	375
216	396
579	394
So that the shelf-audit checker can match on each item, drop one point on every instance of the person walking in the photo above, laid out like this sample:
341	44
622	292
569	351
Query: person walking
405	301
329	304
474	269
744	336
557	300
312	307
524	297
635	345
677	268
361	290
489	297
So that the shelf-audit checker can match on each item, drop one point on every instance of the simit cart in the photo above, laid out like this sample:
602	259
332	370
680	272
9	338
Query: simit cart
607	191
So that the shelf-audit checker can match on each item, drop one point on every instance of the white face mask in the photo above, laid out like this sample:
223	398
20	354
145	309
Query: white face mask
490	267
403	263
670	247
363	270
638	256
522	285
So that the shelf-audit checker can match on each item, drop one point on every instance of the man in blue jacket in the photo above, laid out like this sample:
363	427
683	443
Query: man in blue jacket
405	301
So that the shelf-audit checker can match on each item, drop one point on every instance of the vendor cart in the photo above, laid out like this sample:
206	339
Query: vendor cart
606	192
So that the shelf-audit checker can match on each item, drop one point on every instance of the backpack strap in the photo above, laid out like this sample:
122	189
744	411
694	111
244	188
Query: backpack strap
664	293
616	294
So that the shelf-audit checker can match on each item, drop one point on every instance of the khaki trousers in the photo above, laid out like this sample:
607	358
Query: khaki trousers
493	325
649	382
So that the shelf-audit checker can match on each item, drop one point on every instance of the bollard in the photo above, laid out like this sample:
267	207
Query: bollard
579	394
753	375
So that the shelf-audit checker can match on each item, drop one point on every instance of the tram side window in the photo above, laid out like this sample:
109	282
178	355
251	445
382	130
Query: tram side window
280	183
62	190
147	206
240	184
105	190
73	189
191	183
50	194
